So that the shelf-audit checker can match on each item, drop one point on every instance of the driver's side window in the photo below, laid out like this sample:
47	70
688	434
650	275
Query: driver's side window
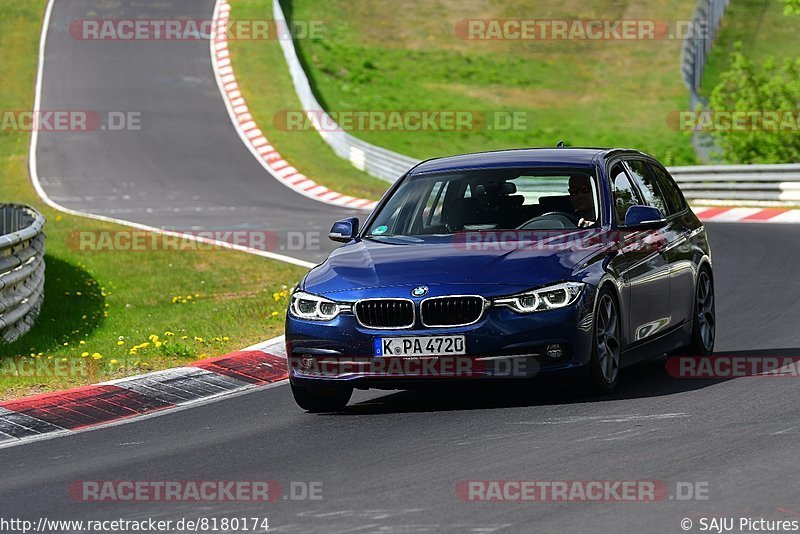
433	209
625	195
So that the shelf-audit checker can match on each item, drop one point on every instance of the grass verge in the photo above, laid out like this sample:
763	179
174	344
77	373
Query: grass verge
374	56
111	314
764	31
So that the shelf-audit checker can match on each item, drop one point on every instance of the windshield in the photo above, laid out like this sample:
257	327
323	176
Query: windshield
525	199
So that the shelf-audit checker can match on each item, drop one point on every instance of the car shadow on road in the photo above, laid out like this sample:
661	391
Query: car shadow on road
649	379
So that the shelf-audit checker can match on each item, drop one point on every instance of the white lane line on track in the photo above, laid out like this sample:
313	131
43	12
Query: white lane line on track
33	169
34	173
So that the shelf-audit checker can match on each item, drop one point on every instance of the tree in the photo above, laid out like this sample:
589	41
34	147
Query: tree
766	100
791	7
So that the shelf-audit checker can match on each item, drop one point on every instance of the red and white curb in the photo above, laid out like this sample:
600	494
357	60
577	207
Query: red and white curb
757	215
252	136
50	414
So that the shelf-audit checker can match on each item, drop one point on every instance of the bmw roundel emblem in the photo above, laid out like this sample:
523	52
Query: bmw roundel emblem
419	291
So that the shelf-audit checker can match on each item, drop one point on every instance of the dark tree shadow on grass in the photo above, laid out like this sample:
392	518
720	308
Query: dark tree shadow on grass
288	11
66	315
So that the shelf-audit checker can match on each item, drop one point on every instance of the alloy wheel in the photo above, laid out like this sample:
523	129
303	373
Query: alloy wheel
706	320
608	345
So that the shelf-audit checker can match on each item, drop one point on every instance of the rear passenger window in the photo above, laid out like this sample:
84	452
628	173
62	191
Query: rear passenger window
625	195
646	181
672	194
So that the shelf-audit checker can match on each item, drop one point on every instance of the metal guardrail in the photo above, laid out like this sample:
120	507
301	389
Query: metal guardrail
22	247
376	161
747	184
697	44
777	185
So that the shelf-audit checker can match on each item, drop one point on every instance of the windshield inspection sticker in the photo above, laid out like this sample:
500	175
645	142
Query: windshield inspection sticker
380	230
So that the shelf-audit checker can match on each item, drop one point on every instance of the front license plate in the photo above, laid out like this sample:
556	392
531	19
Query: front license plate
420	346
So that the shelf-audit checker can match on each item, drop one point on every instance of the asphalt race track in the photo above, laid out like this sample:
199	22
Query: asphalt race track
392	461
186	168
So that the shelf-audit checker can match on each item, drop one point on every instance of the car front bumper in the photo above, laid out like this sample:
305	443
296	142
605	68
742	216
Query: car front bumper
504	344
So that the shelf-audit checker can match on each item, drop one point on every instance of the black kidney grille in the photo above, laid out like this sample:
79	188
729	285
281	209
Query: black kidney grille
385	313
451	311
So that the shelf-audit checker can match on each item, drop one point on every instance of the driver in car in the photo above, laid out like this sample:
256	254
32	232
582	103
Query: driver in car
580	195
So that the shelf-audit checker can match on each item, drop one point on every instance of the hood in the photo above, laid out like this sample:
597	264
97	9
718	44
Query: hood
499	263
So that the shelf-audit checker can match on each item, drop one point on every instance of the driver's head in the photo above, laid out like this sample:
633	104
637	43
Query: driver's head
580	195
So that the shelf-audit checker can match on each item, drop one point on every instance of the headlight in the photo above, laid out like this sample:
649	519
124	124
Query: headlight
547	298
312	307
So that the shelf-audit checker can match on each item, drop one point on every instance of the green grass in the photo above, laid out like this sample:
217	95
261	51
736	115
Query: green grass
764	31
377	55
107	303
266	85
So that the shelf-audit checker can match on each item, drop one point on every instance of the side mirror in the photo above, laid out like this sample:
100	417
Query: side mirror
344	230
644	217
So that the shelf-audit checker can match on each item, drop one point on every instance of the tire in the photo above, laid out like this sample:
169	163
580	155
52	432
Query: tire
322	399
704	324
604	365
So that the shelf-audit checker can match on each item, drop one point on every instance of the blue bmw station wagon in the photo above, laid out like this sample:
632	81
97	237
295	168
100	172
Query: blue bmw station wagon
513	264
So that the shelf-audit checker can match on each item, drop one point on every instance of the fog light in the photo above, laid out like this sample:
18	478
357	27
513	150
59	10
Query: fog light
553	351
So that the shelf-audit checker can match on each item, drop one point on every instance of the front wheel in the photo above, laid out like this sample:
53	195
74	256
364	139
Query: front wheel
606	347
321	399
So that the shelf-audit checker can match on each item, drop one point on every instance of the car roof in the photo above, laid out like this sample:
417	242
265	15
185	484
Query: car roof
522	157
